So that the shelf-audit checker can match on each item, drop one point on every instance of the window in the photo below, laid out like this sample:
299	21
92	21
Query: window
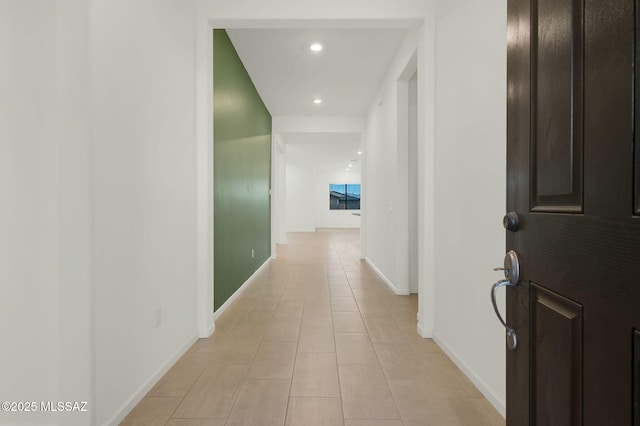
344	196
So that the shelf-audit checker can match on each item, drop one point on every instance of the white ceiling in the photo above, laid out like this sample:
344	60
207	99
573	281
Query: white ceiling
346	74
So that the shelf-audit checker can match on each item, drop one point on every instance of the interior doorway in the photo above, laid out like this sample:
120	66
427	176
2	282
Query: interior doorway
412	170
407	242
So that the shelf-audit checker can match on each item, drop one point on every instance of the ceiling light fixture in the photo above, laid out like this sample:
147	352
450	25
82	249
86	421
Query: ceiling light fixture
316	47
317	101
359	152
350	165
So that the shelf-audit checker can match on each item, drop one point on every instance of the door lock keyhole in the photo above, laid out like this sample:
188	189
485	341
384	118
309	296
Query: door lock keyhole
511	268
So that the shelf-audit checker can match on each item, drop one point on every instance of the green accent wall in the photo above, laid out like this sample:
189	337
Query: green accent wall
242	172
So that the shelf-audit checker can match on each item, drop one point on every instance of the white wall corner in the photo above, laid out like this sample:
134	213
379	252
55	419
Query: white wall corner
279	187
468	157
363	196
427	334
239	291
204	178
494	397
274	190
210	331
426	173
397	291
126	408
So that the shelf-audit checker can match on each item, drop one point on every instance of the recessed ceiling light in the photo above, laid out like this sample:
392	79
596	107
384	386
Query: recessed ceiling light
359	152
348	170
316	47
350	165
317	101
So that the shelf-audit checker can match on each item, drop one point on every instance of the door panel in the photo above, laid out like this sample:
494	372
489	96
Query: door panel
577	355
636	207
557	137
556	358
637	168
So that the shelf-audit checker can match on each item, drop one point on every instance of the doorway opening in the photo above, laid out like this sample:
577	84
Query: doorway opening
407	253
412	169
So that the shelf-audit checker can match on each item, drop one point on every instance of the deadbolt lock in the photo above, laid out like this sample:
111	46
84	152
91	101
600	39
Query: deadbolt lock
511	222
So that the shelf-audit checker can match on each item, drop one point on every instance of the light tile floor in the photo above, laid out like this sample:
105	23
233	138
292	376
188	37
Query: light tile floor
316	339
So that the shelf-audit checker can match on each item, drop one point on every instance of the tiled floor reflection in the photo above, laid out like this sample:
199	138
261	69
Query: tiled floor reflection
316	339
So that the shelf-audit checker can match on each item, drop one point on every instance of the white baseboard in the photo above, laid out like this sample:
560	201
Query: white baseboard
488	393
239	291
386	280
211	329
208	331
146	387
424	333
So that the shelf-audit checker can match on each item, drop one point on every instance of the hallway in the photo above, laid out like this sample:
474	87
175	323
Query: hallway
316	339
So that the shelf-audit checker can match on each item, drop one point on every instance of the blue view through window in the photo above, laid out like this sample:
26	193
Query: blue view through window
344	196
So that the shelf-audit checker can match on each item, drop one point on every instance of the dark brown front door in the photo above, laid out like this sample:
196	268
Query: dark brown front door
574	181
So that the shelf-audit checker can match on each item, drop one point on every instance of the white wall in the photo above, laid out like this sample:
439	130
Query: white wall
300	198
97	162
278	196
76	291
412	182
144	182
45	266
29	313
386	191
310	168
291	218
248	13
470	185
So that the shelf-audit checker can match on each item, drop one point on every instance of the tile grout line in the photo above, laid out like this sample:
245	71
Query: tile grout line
246	377
295	359
335	346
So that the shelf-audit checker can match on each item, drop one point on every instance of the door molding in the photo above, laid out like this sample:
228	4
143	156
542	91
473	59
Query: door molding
204	154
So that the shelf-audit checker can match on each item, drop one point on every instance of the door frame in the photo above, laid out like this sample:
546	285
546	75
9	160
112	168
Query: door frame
204	155
404	224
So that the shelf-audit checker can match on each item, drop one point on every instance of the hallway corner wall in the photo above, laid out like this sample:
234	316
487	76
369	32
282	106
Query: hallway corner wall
242	172
301	169
45	223
307	186
144	195
462	149
470	187
385	213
